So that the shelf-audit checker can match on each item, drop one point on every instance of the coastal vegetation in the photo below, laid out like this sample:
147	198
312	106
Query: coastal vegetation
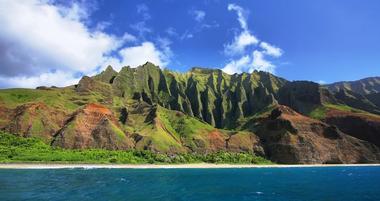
20	149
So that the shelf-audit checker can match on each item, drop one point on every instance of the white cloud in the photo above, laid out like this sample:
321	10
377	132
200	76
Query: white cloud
58	78
259	63
129	37
249	63
36	37
242	15
240	43
237	66
41	43
244	45
271	50
137	55
198	15
165	51
245	38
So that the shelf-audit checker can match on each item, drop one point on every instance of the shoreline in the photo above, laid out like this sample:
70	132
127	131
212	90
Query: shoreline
164	166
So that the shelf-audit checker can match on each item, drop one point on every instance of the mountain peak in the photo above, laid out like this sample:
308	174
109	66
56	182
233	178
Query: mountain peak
204	70
149	65
110	69
107	75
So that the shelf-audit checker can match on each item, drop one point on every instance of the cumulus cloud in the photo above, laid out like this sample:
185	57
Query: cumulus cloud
271	50
165	50
58	78
259	63
244	38
35	37
249	63
137	55
237	66
248	48
42	43
240	42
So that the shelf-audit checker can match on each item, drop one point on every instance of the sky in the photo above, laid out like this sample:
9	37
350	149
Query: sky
56	42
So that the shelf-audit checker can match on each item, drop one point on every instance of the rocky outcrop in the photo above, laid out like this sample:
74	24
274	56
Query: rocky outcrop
88	85
358	125
107	76
304	96
35	120
289	137
6	116
93	126
374	98
245	142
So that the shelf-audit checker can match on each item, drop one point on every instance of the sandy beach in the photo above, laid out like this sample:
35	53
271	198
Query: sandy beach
164	166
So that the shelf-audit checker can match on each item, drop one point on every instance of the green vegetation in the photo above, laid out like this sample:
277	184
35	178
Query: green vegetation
181	124
344	108
59	98
19	149
320	111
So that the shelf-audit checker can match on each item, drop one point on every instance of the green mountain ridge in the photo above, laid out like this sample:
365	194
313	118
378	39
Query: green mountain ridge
200	111
363	86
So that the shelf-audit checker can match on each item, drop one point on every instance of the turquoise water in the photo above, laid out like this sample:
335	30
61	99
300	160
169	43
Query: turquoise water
322	184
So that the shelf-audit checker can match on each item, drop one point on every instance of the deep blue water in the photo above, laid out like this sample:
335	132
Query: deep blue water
322	184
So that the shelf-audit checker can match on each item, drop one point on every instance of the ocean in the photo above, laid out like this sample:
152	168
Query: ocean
282	184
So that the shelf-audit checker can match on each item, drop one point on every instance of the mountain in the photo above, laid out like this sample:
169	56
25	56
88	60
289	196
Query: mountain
364	86
203	111
363	94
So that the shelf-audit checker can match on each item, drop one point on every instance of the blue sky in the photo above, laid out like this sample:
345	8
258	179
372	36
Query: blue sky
45	42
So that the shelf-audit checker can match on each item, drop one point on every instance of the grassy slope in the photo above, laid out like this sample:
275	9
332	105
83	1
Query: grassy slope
321	111
172	128
61	98
18	149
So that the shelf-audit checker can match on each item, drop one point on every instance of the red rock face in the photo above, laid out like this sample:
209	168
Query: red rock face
34	119
365	127
217	141
5	116
289	137
245	142
93	126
